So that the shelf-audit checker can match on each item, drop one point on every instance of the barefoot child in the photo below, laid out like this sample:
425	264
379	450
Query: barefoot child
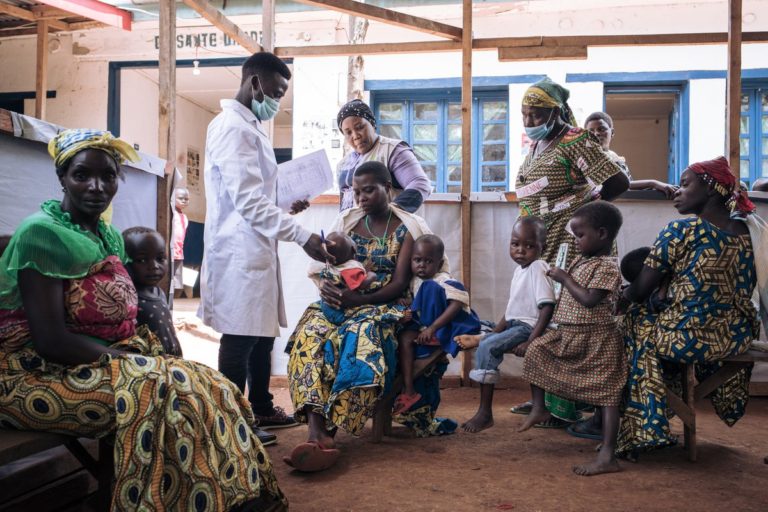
583	359
148	264
529	310
347	271
631	265
440	311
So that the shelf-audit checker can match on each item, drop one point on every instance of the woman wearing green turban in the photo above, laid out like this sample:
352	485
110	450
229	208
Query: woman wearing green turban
563	166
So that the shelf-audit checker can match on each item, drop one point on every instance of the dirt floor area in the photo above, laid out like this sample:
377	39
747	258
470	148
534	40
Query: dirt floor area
499	469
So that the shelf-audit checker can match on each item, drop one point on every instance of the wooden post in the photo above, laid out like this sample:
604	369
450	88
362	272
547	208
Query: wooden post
268	45
733	84
268	25
167	119
41	73
466	159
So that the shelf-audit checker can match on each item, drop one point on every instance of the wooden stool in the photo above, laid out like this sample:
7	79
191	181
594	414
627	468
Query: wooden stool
18	444
382	415
684	406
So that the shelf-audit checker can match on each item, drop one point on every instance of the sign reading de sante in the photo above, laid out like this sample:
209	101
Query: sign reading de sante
206	40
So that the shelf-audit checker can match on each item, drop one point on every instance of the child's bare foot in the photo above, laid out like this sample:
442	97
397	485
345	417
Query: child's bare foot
602	464
480	421
537	415
468	341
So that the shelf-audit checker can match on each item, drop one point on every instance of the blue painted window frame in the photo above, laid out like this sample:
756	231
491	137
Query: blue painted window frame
444	97
757	137
679	142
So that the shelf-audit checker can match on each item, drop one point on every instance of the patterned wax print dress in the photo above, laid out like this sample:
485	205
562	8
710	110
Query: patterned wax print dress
583	358
342	370
710	317
557	182
552	186
182	432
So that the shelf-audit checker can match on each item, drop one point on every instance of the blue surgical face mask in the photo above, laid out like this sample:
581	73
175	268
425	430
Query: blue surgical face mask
540	132
266	109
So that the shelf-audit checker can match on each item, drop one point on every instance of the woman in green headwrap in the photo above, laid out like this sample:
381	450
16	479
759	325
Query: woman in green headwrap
73	362
564	164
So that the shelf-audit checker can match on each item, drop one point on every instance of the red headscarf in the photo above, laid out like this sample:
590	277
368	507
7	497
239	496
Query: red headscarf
717	173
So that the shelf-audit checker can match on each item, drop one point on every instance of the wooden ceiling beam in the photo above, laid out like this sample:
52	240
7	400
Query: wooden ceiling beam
495	43
366	49
48	12
217	19
400	19
617	40
27	15
525	53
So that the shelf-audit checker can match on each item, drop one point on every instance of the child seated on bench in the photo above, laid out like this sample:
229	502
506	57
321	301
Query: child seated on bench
529	310
347	271
148	265
440	311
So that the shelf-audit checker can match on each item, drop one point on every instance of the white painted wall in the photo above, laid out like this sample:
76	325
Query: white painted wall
707	118
139	125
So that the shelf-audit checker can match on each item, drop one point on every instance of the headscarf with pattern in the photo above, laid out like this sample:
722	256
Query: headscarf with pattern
717	174
547	94
68	143
356	108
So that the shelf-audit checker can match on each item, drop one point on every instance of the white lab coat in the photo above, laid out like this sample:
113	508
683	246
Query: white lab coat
240	284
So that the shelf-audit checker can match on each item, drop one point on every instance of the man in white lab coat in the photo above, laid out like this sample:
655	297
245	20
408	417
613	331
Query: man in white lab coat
241	294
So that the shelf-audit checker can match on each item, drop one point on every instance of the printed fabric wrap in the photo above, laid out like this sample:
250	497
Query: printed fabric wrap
341	371
548	94
68	143
710	317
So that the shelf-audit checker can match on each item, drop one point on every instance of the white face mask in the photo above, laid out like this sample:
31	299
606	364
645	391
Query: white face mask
266	109
540	132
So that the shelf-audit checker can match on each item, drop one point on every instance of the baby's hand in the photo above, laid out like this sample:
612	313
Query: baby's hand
407	316
557	274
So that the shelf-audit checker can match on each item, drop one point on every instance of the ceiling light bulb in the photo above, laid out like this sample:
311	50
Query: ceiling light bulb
196	69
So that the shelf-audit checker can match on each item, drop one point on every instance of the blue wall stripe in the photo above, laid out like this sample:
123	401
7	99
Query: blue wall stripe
661	76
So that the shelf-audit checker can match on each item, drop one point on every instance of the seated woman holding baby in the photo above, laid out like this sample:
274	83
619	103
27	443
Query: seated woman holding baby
339	368
73	362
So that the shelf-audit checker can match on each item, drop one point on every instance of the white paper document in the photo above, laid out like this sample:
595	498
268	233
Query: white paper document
303	178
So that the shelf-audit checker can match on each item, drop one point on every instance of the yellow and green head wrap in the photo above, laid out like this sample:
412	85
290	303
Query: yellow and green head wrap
68	143
548	94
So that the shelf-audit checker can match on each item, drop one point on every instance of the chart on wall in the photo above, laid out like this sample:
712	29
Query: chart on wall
193	170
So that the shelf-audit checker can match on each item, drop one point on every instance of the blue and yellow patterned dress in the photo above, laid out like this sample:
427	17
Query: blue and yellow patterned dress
710	317
342	370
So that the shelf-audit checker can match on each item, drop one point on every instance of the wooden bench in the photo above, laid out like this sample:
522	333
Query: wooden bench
684	406
18	444
382	416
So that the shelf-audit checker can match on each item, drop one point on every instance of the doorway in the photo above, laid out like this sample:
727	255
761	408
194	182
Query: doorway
651	125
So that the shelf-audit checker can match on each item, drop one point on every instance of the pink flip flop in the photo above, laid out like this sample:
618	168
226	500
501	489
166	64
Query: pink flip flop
404	402
312	456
